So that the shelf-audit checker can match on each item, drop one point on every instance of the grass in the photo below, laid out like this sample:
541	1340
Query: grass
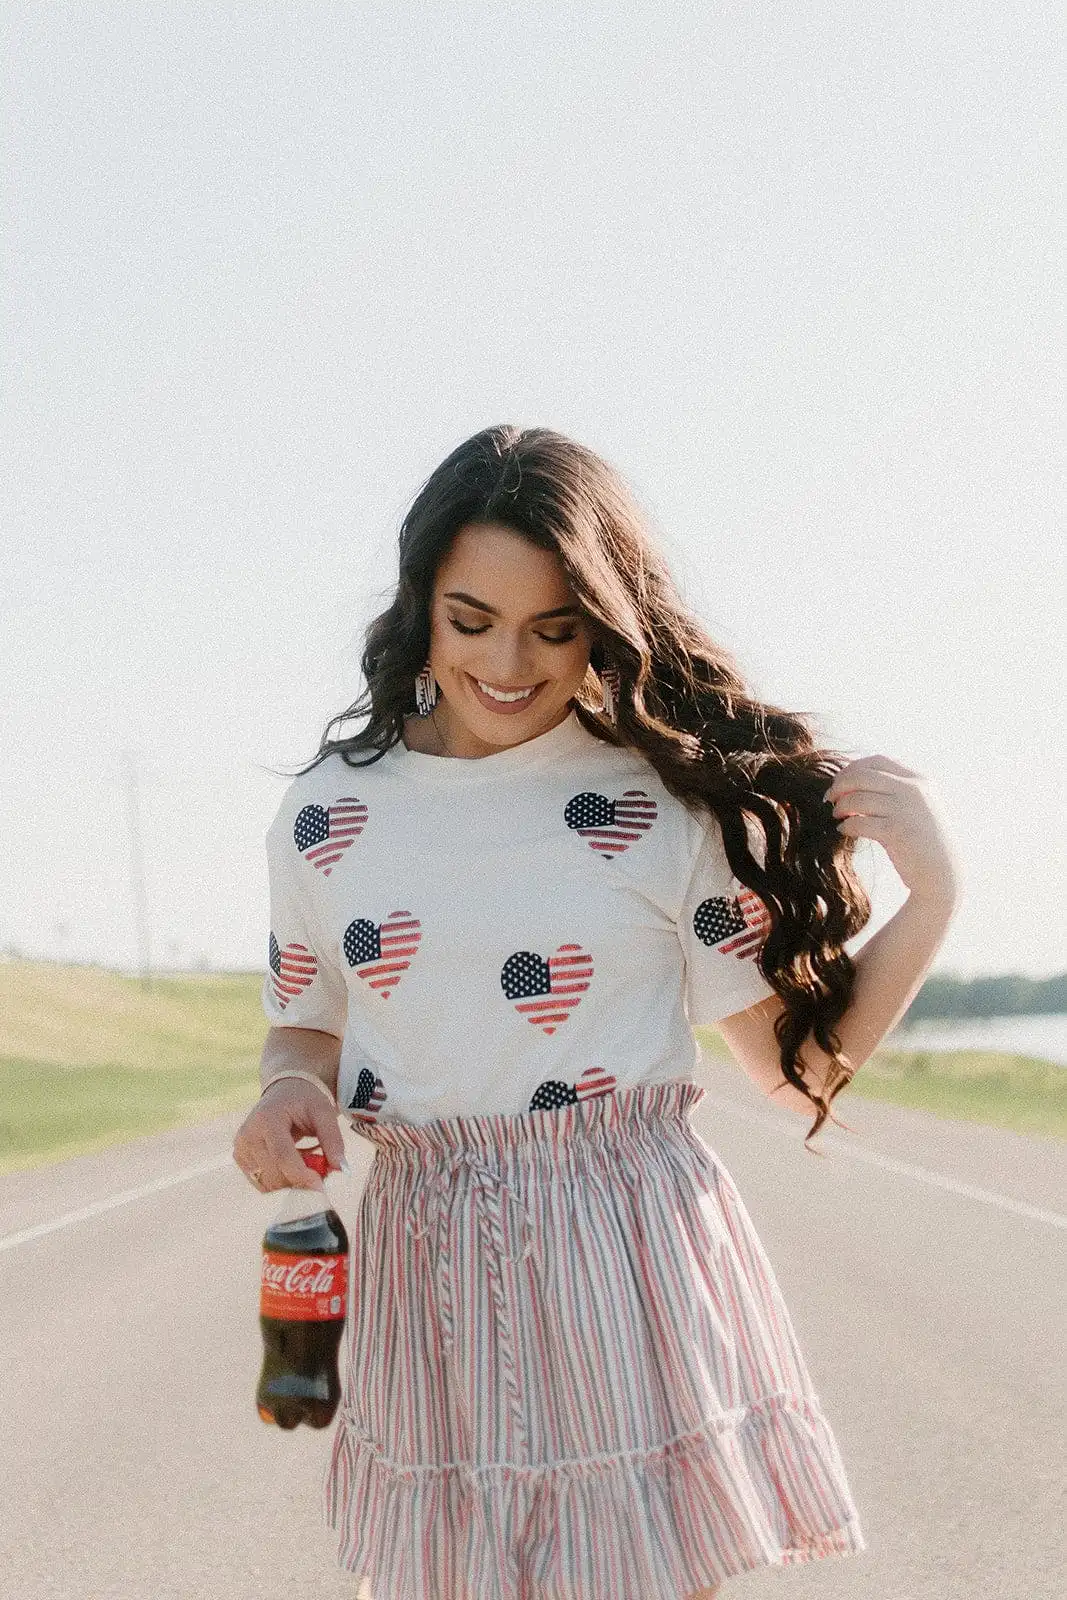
1004	1091
89	1058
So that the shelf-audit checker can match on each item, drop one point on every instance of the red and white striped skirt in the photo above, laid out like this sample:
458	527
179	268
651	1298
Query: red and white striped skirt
571	1372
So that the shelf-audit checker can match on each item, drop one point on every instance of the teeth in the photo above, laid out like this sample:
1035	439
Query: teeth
496	694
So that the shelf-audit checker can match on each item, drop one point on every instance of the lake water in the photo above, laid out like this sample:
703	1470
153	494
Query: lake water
1043	1037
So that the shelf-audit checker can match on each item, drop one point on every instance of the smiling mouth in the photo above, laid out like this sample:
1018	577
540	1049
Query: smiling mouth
504	699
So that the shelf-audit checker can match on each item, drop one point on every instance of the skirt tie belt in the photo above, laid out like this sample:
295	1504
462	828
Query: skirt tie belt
491	1194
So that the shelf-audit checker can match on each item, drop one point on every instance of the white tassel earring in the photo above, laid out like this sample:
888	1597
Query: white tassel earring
609	684
425	691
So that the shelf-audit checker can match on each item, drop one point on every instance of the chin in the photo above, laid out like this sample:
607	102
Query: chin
502	728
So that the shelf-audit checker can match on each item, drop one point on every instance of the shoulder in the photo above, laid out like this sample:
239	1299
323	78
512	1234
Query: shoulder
618	779
615	796
596	758
331	782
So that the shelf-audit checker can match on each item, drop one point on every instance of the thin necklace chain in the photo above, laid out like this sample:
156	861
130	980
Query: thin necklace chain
440	735
441	738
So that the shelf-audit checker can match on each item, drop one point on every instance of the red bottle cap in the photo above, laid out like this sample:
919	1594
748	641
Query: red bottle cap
315	1158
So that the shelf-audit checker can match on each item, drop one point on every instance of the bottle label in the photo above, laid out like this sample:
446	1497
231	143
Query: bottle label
303	1288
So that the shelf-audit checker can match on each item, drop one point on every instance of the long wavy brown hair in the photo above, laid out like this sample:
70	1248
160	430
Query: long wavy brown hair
682	702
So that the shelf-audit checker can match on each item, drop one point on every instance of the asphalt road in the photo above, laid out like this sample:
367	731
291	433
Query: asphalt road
923	1262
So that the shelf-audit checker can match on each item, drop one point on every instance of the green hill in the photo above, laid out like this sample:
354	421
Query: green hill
89	1058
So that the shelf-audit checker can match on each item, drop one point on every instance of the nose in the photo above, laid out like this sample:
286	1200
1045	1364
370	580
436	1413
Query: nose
510	664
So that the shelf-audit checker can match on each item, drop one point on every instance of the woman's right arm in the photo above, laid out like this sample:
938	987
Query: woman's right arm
290	1110
301	1050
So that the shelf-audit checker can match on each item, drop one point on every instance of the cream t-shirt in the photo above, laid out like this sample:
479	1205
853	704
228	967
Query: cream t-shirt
503	934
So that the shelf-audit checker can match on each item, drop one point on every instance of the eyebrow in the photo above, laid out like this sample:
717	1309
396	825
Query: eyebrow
480	605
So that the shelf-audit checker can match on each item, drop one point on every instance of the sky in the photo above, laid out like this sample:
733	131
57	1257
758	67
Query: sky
790	269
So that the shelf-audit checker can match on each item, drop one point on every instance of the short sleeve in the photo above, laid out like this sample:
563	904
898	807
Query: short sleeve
721	926
303	986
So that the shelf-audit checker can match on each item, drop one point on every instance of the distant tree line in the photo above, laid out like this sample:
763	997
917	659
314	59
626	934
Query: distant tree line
942	995
1011	995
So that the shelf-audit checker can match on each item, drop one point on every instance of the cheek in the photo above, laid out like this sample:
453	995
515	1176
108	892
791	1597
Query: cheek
574	662
451	647
579	651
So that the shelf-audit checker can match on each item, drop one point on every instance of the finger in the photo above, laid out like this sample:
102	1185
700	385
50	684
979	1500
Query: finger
867	766
884	763
287	1166
887	764
863	827
313	1118
309	1115
244	1139
252	1161
870	801
328	1133
870	778
289	1114
247	1152
866	783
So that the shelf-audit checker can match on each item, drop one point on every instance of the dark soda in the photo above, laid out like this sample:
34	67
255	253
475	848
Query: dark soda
302	1306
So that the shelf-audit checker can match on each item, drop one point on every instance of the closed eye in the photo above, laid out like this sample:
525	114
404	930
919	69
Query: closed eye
459	627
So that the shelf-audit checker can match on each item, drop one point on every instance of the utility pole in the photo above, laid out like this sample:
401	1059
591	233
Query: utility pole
137	870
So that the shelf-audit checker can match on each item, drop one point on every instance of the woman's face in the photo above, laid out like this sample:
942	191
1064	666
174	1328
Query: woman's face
492	628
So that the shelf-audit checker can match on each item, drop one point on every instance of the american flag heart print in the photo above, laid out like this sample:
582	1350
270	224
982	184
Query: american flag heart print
610	826
562	981
594	1081
381	952
554	1093
322	834
369	1097
292	969
736	926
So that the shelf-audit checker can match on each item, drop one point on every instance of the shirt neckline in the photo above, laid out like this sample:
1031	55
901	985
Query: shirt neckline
565	739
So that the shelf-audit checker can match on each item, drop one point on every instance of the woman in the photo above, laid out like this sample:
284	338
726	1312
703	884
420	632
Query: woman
496	915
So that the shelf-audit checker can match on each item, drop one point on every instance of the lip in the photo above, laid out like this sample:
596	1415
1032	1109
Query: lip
512	710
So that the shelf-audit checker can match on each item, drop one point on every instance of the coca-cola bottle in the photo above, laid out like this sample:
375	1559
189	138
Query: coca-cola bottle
302	1304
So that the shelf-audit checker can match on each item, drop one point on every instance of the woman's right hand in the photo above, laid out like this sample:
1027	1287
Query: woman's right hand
265	1143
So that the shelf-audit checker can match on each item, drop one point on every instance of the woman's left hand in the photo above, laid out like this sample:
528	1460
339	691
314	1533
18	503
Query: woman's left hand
879	798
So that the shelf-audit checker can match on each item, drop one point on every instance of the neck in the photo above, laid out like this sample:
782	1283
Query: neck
459	743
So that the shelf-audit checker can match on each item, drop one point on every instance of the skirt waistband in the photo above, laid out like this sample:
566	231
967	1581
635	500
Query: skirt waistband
604	1116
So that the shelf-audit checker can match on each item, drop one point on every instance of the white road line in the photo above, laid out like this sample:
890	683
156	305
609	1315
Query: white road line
122	1199
842	1146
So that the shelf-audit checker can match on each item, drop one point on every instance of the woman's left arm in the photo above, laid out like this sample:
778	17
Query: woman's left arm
876	798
